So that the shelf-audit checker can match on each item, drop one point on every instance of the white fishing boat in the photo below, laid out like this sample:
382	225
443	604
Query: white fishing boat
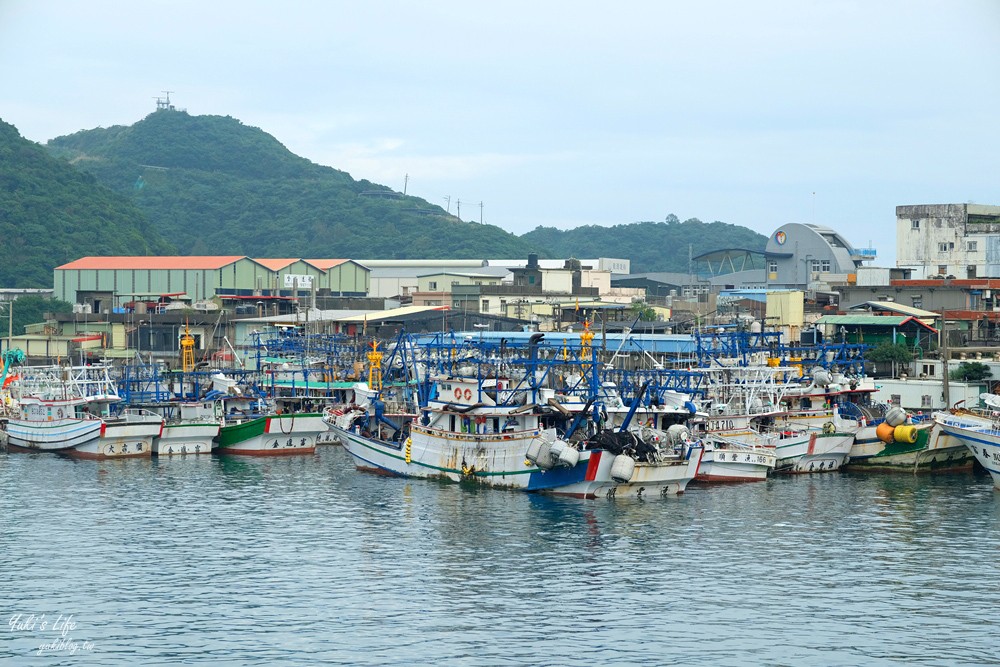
494	434
732	459
50	424
129	434
190	428
978	429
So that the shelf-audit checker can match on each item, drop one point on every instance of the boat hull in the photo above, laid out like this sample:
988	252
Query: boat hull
185	438
497	460
734	465
130	437
51	436
813	451
981	437
274	435
934	451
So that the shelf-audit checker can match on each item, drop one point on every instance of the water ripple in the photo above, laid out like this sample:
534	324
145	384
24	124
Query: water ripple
303	561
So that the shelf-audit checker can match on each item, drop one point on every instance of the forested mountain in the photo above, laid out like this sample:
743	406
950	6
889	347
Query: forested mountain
652	246
52	213
215	186
173	183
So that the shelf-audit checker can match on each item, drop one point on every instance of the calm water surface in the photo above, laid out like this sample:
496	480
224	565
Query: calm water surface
303	561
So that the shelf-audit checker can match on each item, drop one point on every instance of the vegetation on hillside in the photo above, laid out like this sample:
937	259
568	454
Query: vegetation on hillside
52	213
651	246
173	183
215	186
30	309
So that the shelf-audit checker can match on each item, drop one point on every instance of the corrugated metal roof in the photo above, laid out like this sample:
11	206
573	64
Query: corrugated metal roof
122	262
325	264
274	263
897	308
874	320
392	314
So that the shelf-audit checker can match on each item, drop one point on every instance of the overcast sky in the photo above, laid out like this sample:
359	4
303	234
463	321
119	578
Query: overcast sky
558	113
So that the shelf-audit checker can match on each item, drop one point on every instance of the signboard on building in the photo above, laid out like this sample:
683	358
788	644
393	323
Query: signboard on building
298	280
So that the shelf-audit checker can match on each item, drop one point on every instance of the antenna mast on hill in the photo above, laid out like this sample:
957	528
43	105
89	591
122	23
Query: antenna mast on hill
163	103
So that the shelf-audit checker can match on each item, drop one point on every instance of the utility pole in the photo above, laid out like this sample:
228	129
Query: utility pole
406	180
447	201
458	209
945	387
480	212
10	324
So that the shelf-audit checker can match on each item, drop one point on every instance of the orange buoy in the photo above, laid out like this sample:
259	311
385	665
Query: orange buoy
885	432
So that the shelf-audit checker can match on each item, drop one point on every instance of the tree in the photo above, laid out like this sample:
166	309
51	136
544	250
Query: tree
643	311
971	371
32	309
894	352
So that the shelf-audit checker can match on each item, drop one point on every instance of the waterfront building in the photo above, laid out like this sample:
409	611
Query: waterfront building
948	240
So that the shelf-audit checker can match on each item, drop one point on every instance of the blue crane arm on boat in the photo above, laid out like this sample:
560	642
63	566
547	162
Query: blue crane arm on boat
575	424
636	402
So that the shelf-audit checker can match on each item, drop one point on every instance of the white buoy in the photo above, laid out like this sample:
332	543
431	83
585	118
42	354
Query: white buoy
534	447
569	457
622	468
895	416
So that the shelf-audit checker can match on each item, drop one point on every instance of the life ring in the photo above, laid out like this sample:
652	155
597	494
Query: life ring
829	427
468	394
458	394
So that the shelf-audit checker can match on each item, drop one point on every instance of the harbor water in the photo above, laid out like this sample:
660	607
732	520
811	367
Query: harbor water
304	561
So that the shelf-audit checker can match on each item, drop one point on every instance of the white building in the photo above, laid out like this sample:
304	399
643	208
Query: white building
948	240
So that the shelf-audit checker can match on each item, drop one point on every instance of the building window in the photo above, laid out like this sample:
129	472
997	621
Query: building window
824	266
929	370
914	224
432	286
942	269
772	266
895	399
972	246
918	301
925	401
942	247
486	306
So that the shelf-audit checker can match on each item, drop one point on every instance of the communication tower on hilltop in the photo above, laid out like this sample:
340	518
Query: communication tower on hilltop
163	103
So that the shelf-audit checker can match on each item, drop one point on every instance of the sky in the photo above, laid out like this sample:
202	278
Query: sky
557	113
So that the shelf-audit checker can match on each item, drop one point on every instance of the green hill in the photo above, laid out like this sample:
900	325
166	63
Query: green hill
52	213
651	246
205	185
212	185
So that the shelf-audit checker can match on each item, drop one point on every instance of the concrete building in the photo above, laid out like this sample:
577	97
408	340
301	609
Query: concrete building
948	240
805	256
399	278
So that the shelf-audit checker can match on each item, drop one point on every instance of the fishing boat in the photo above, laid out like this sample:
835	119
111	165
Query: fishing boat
495	434
731	459
919	444
128	434
979	431
51	424
70	409
190	428
745	405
